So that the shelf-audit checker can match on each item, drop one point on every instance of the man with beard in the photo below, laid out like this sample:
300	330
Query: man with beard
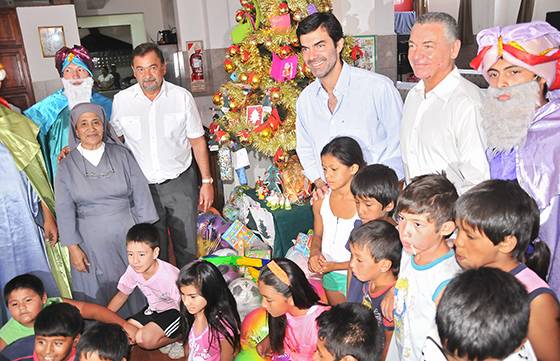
521	118
440	130
52	114
342	101
160	125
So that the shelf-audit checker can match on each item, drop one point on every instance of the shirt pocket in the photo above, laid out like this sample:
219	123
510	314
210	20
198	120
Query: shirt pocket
132	127
174	125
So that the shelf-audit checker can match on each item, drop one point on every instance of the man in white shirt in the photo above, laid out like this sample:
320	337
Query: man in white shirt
440	126
160	124
343	101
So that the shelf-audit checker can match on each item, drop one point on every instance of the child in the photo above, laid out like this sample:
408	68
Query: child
425	216
334	216
376	256
103	342
375	189
209	318
483	314
348	332
57	332
158	322
292	305
498	225
25	297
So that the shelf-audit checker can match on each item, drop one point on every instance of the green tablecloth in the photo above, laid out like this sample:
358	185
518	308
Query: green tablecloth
287	223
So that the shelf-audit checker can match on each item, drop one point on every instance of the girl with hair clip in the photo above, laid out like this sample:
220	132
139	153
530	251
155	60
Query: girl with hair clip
498	227
209	318
292	306
335	216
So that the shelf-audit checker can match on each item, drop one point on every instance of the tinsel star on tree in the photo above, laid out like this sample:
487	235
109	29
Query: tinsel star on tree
257	108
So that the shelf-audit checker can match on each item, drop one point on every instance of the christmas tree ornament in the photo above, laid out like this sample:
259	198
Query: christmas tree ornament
272	179
233	50
275	94
283	8
233	76
243	78
217	99
254	79
282	68
280	24
229	66
285	51
239	15
245	56
297	16
225	163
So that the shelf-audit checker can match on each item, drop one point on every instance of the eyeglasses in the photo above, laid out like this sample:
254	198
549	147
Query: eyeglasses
96	175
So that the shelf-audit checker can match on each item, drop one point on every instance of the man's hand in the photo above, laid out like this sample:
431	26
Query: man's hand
78	258
50	228
206	197
321	189
63	153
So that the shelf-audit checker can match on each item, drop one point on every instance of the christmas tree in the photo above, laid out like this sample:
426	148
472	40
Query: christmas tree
257	107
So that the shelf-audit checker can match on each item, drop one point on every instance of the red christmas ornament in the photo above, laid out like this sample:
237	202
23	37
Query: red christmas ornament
233	50
285	51
356	52
245	55
283	8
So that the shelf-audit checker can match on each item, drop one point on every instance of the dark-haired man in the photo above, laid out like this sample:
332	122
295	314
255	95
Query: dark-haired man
161	124
343	100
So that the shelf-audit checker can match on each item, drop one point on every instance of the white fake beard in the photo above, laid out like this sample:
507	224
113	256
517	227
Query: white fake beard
505	122
77	94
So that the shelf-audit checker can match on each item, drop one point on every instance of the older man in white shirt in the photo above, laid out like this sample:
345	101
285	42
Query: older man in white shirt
161	125
440	126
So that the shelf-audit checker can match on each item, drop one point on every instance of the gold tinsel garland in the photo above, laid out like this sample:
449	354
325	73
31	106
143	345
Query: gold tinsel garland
250	62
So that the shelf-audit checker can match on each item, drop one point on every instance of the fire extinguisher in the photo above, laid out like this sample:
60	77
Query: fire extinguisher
196	65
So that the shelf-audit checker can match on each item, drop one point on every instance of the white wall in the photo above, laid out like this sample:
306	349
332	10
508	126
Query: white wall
544	6
43	69
359	17
208	20
152	10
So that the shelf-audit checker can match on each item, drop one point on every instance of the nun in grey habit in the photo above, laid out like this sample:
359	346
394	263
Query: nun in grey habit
100	193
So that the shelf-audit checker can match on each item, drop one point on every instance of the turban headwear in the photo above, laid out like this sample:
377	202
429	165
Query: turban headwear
78	55
533	46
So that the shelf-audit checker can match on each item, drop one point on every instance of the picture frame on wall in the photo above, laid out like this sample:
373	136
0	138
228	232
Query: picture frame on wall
51	39
367	45
197	64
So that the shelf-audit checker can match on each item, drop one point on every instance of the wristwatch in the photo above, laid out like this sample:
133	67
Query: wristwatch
207	180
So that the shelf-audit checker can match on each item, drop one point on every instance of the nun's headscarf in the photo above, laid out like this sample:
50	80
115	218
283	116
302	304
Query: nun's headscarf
109	135
533	46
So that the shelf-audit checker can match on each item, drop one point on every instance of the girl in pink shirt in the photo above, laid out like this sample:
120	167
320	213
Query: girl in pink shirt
209	317
292	305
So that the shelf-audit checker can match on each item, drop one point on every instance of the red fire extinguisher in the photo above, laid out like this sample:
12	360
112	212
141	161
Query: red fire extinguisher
196	65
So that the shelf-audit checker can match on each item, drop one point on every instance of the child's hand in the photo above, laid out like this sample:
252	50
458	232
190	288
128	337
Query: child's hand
263	348
131	331
316	263
328	267
388	304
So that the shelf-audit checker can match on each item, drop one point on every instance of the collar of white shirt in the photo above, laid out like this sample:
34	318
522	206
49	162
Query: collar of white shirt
342	84
445	88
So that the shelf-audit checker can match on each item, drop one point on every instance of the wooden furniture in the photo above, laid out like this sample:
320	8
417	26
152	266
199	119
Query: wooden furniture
16	88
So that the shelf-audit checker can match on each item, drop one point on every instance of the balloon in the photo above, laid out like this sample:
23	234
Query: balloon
246	294
249	354
254	328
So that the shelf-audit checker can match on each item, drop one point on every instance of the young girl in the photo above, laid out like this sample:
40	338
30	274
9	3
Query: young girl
498	225
334	217
209	318
292	305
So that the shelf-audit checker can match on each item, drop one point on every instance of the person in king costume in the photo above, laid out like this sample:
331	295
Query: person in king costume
28	231
521	118
52	114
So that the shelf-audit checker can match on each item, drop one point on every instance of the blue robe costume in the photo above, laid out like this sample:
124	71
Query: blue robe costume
52	116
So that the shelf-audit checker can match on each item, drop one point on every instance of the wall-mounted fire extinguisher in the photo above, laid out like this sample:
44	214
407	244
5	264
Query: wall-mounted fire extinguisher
196	65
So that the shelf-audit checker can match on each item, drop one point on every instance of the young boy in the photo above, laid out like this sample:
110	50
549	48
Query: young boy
57	332
375	189
498	226
425	216
376	256
103	342
483	314
25	297
158	322
348	332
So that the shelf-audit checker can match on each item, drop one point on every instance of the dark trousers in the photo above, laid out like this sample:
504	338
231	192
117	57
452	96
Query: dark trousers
176	202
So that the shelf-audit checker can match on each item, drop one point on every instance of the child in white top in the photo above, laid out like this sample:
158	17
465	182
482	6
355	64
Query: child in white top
334	217
159	321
